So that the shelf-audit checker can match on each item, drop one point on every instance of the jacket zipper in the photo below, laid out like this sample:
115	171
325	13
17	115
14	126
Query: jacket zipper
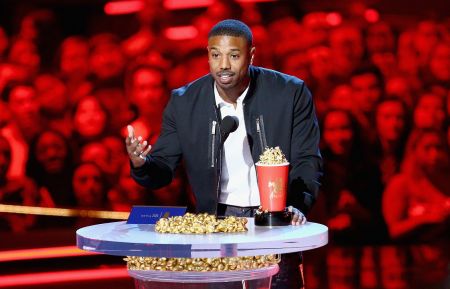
213	142
261	133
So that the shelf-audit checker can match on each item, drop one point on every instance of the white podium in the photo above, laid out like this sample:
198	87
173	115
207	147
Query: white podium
121	239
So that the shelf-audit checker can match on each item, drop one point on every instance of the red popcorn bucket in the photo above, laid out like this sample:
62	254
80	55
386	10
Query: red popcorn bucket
272	185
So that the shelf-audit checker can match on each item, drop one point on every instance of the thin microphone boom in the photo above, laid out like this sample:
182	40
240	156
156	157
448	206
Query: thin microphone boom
228	125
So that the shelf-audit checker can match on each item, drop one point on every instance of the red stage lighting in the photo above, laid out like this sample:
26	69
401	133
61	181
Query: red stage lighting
181	32
123	7
11	281
183	4
42	253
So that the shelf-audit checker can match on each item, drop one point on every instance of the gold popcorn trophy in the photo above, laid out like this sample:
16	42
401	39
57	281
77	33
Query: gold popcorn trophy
272	172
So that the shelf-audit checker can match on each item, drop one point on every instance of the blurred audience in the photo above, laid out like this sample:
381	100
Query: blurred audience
106	59
90	190
67	98
148	93
21	122
74	67
351	185
14	191
54	103
50	165
90	120
429	112
416	203
381	87
392	129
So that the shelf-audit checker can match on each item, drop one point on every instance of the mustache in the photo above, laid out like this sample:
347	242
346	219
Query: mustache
224	73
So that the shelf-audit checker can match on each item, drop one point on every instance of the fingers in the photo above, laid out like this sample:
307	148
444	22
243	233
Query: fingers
132	145
143	155
137	148
130	132
140	146
297	217
295	220
303	220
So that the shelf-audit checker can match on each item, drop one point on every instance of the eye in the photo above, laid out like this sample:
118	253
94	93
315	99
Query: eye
214	55
234	56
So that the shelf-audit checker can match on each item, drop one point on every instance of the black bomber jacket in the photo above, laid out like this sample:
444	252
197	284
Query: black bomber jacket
278	111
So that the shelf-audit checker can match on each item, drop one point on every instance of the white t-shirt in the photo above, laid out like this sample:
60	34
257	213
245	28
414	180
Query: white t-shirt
239	186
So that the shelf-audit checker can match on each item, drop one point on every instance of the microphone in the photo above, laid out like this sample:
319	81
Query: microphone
228	125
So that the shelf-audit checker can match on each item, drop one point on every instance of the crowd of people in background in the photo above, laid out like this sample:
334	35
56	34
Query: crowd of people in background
382	95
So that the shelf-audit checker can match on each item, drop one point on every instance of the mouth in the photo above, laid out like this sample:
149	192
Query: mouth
54	164
225	77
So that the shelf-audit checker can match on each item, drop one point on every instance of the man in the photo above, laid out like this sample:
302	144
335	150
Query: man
17	190
273	109
367	87
147	90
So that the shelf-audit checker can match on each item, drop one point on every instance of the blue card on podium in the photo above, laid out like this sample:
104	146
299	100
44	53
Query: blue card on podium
151	214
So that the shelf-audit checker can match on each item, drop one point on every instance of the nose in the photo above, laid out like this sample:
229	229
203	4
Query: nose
225	63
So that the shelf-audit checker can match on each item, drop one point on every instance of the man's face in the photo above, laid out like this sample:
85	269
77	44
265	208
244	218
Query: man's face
107	60
440	62
87	185
429	112
52	95
337	132
229	58
75	59
25	53
431	153
24	105
366	91
148	91
51	152
390	120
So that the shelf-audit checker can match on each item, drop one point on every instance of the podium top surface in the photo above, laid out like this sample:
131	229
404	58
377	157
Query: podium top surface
119	238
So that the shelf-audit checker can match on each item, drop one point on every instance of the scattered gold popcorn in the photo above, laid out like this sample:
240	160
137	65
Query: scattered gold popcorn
272	156
200	224
201	264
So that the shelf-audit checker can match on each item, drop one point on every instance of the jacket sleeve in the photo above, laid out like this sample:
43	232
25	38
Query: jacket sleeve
161	163
306	160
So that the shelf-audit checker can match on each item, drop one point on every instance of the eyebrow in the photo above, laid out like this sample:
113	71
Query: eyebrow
232	49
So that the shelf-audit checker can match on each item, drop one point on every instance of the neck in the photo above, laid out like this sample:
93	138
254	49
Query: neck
231	95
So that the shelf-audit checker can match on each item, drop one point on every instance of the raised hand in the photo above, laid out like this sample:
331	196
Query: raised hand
137	149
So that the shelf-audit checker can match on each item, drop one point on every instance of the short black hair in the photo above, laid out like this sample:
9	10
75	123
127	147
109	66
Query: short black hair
232	27
368	68
6	93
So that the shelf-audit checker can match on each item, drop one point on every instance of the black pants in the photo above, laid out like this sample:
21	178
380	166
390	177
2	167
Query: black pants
290	275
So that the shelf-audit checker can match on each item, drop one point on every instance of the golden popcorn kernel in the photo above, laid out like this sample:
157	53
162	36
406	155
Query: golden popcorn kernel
200	224
272	156
201	264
